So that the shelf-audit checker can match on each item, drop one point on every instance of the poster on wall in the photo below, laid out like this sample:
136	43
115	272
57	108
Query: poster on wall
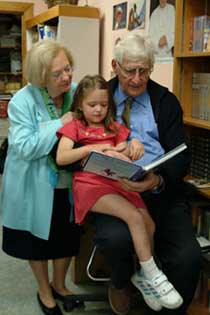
162	29
136	15
117	37
119	16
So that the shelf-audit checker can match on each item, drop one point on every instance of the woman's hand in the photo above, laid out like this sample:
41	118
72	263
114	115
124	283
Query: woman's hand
67	117
136	149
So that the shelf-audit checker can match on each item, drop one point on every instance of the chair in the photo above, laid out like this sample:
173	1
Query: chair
96	297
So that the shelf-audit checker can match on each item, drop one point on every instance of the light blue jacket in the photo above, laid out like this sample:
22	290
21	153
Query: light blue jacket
27	195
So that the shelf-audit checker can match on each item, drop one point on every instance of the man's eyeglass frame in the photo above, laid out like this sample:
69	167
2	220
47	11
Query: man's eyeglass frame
142	72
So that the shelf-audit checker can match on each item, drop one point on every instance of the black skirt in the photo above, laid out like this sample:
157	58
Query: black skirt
64	238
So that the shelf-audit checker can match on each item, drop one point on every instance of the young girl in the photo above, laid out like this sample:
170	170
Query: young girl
95	128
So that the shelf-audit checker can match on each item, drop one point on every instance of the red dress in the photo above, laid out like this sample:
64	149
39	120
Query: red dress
87	187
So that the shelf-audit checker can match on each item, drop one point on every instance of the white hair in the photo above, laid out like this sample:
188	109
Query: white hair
119	9
135	47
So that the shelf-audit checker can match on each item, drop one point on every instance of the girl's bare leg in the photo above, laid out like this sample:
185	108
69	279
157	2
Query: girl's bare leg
118	206
139	224
150	225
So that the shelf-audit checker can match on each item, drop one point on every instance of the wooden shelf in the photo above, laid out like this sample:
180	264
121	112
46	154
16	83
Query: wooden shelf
72	22
192	54
10	73
186	63
196	308
199	123
204	191
63	10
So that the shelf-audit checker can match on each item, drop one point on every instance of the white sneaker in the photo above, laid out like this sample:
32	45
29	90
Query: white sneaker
162	290
138	281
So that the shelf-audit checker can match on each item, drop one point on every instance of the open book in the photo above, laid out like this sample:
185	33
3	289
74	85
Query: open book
114	168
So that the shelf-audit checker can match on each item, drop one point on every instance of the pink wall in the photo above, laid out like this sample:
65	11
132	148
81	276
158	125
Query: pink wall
163	73
39	5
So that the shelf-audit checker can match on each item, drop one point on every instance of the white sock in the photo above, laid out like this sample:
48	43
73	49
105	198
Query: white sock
149	268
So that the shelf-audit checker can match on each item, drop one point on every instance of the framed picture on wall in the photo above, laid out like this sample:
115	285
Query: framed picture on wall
136	15
162	28
119	16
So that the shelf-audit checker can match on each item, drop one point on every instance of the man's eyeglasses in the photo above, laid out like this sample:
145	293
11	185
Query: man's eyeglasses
57	75
142	72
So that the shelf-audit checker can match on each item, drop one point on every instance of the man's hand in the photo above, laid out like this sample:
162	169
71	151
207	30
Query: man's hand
149	182
136	149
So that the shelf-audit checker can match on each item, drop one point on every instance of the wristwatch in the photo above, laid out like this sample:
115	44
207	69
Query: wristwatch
160	187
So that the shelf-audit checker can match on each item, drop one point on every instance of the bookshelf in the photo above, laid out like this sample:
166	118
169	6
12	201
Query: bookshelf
12	41
187	62
77	28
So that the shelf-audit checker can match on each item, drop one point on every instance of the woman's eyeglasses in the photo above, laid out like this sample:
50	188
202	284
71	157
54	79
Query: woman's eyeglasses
57	75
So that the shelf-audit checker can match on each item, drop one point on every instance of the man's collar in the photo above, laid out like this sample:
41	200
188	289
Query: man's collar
122	96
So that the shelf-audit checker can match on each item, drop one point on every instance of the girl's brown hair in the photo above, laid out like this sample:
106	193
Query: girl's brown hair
85	86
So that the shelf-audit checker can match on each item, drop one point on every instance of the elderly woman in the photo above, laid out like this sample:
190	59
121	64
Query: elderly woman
37	225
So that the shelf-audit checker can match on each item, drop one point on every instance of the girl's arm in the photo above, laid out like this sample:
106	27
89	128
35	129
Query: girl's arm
66	154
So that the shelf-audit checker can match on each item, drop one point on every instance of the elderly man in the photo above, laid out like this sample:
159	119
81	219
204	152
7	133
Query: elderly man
156	119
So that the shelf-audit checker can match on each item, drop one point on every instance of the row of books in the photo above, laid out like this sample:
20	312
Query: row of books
201	96
200	151
47	32
200	33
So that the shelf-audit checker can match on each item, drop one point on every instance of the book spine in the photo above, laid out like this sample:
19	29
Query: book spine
198	33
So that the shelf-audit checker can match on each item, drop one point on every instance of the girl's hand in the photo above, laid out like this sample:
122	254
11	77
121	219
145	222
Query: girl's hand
67	117
117	154
98	147
120	147
136	149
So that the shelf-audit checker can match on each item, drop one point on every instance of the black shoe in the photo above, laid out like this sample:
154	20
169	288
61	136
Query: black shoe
69	303
49	310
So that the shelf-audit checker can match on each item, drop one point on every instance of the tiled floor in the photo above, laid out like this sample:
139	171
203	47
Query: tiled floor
18	290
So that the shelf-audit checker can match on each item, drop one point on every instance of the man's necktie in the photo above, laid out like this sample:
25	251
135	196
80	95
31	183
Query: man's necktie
126	112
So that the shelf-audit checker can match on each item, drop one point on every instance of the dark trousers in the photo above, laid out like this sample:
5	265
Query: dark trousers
176	248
